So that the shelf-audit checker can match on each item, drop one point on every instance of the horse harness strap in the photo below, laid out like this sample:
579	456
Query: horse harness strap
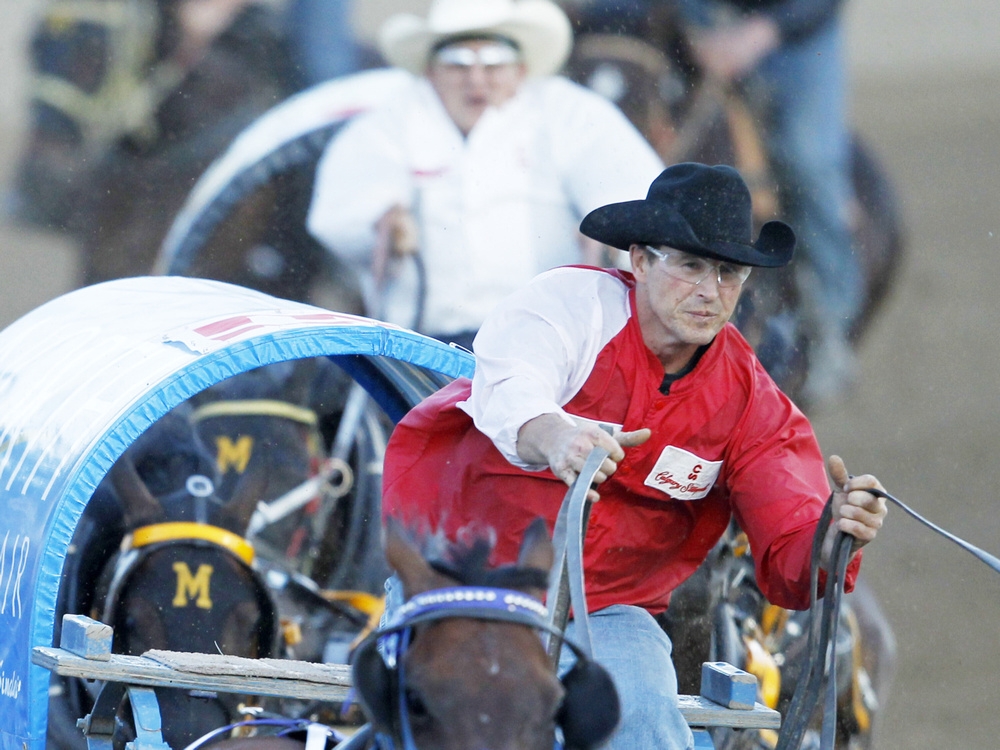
479	603
140	542
568	588
474	602
189	531
145	540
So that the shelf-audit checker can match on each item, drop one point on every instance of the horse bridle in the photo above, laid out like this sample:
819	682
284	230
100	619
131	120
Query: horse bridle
469	602
141	542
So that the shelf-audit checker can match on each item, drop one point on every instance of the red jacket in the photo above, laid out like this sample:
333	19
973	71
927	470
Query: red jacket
660	513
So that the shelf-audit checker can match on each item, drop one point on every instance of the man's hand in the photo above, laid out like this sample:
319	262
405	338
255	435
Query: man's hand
730	52
200	24
549	439
396	236
855	511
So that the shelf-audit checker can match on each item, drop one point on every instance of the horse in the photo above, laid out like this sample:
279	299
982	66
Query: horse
293	411
644	65
461	664
161	558
132	100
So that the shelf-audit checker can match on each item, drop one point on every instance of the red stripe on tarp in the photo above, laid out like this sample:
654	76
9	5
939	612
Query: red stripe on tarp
211	330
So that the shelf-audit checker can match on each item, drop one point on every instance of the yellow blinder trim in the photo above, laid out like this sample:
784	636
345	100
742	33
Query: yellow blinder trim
186	530
256	408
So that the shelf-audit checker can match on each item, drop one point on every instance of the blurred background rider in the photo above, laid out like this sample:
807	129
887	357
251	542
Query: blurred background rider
787	58
484	164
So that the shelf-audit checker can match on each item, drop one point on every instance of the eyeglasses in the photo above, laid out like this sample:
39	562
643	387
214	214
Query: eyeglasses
694	269
489	56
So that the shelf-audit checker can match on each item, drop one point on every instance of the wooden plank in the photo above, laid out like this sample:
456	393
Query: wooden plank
238	666
138	670
701	712
336	680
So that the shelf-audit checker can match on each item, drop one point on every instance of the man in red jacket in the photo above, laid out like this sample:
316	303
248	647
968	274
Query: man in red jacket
645	361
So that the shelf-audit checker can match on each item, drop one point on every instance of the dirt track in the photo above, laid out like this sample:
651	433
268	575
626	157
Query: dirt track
927	97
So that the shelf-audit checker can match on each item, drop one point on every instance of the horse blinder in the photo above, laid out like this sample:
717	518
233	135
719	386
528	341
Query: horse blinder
589	712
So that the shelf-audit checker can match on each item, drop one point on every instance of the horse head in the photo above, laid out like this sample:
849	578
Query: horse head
184	579
463	665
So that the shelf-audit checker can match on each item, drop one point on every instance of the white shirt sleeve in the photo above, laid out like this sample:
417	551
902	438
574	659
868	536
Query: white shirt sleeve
361	175
537	349
604	158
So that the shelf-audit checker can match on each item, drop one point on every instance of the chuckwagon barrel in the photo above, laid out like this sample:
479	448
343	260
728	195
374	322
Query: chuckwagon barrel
83	376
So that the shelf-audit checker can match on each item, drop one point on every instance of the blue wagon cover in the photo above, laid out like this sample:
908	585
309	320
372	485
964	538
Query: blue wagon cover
82	376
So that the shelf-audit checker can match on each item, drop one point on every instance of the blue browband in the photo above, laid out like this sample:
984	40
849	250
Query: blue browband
463	601
475	602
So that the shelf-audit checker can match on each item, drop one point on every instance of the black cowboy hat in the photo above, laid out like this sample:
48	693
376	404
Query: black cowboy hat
696	208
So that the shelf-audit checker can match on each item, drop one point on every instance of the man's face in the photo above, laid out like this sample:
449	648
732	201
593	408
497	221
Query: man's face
470	76
677	315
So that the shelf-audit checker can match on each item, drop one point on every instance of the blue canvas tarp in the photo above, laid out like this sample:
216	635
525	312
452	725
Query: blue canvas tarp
84	375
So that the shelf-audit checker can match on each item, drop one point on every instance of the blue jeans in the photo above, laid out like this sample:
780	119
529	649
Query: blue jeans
322	39
632	646
800	93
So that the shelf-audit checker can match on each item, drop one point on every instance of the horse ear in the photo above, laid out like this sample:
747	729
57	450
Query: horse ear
536	550
251	489
139	505
406	559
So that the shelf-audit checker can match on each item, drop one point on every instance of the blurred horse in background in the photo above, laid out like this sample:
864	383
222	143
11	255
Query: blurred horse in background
645	66
131	101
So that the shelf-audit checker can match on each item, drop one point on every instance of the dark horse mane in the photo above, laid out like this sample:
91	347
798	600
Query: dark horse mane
468	564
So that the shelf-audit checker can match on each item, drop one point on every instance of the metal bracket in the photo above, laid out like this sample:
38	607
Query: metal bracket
100	724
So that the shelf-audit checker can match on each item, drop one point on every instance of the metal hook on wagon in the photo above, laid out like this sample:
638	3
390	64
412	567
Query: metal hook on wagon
269	512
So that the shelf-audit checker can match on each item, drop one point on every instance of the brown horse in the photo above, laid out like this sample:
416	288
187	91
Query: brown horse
460	665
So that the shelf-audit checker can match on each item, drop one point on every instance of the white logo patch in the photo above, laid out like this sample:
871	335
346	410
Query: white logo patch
683	475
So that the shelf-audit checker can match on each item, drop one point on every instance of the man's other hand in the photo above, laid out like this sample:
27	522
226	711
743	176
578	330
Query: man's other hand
564	447
855	511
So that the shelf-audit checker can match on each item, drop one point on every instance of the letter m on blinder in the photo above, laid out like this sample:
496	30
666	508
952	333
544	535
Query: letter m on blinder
195	587
237	455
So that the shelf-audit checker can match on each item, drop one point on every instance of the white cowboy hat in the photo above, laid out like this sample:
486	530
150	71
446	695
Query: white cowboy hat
539	27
